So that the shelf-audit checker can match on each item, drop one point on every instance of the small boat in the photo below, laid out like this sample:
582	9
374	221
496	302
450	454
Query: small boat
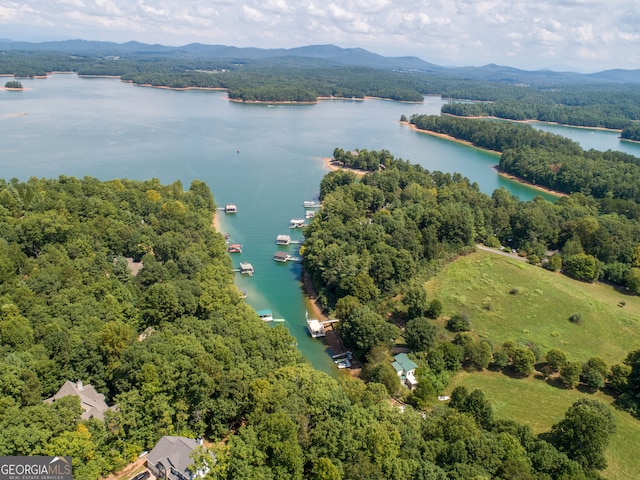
296	223
230	208
311	204
309	214
343	363
265	315
235	248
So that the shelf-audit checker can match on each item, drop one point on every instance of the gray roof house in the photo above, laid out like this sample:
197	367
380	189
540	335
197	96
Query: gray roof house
92	402
171	459
406	370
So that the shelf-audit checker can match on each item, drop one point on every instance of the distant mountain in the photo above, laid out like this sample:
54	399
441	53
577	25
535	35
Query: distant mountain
322	55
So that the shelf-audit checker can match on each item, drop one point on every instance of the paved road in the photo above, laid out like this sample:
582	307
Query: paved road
505	253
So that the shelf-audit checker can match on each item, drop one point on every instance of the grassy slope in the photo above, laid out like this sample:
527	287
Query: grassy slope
539	314
539	404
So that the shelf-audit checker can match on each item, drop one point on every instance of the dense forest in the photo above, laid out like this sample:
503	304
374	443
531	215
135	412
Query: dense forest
302	79
632	132
376	240
593	106
179	352
549	160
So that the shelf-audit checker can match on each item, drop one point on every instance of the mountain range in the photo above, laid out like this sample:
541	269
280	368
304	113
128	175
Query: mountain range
321	55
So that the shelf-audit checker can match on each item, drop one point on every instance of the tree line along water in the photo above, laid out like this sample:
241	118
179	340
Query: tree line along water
266	159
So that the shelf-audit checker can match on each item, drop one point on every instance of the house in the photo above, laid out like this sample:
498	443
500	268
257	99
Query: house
406	370
171	459
92	402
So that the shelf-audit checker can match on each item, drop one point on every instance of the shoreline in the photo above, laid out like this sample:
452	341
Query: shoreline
450	138
531	120
496	167
528	184
332	165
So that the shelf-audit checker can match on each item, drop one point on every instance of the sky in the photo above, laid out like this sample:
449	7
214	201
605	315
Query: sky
577	35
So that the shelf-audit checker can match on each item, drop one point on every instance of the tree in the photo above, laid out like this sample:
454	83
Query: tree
459	322
474	403
435	308
594	372
570	374
13	84
556	359
633	280
584	433
523	361
416	301
420	334
582	267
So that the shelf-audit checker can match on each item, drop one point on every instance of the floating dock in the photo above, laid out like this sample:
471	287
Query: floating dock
234	248
284	257
283	240
315	327
246	269
297	223
230	208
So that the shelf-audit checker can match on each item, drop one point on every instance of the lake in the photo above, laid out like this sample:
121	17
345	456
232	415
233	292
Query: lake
267	159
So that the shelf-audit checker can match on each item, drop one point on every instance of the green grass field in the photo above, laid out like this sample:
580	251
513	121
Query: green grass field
480	285
540	405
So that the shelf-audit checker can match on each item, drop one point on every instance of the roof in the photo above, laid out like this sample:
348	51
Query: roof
92	402
174	452
402	363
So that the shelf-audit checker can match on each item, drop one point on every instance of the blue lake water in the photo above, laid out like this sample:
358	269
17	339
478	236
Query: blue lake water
264	158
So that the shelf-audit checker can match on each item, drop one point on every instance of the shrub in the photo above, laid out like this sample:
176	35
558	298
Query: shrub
533	259
435	308
576	318
459	322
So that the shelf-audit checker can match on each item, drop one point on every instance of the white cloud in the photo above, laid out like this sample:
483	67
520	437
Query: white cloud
515	32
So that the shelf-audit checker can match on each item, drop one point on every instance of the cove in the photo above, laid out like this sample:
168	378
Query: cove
266	159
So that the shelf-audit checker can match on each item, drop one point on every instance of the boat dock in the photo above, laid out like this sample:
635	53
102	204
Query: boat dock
230	208
297	223
286	240
285	257
246	269
234	248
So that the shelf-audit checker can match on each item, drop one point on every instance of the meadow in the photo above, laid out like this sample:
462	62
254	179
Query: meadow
507	299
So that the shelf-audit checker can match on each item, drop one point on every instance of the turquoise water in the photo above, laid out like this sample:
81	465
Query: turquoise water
590	138
265	159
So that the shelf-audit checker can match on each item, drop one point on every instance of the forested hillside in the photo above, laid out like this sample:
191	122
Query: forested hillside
306	74
179	352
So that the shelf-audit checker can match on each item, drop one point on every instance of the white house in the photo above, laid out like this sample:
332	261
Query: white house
406	370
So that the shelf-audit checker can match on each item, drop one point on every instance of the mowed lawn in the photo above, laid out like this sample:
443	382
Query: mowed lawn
539	404
507	299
